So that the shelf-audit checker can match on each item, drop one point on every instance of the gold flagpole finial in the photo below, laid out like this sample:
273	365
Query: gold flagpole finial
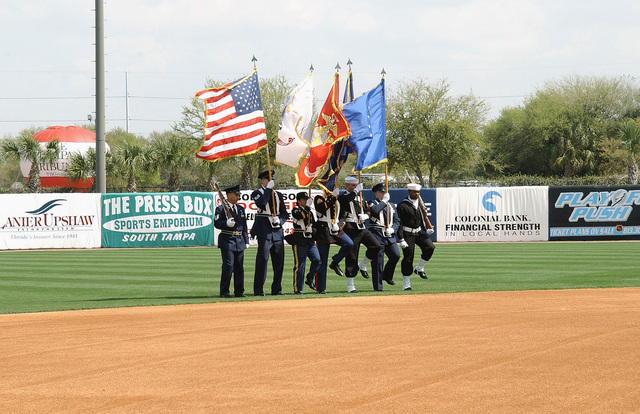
254	60
338	67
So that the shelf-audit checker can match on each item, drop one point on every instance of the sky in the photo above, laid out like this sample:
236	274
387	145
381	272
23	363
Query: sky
161	52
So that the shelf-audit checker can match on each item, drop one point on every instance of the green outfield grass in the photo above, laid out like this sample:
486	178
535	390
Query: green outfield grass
33	281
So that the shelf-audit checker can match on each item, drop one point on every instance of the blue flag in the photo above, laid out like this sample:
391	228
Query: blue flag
367	118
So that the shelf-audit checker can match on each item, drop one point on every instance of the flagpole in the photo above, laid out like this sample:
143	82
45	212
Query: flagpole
386	187
386	173
273	197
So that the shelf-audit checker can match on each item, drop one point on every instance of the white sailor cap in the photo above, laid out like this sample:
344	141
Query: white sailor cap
351	180
414	186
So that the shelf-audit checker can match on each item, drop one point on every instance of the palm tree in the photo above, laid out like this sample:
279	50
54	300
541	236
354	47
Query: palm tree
630	135
129	158
25	147
83	166
172	153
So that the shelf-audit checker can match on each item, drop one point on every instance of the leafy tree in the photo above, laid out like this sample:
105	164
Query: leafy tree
25	147
130	157
560	129
630	136
431	132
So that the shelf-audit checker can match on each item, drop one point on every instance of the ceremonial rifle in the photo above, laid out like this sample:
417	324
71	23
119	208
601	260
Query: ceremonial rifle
223	200
427	222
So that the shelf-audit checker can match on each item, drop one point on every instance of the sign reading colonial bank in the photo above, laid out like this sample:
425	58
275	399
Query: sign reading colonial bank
157	219
49	221
505	214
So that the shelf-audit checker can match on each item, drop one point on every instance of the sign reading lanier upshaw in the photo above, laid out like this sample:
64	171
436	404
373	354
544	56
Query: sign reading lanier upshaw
157	219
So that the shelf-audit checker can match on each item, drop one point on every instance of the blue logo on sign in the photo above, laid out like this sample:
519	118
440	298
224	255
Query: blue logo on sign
47	206
486	200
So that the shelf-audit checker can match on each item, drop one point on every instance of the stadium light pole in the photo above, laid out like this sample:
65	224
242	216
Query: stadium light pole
101	175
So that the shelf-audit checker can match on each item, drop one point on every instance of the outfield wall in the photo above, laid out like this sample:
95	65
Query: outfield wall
461	214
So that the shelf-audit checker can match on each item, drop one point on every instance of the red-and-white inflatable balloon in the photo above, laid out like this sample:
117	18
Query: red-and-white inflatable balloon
71	139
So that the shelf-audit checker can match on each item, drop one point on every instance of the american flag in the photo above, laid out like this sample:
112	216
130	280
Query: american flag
234	121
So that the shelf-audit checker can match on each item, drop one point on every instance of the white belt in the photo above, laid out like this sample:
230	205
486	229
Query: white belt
411	230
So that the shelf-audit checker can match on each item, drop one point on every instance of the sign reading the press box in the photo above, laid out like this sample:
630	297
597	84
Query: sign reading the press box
157	219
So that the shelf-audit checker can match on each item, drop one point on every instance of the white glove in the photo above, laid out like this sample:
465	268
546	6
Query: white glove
309	229
334	227
403	244
275	220
231	222
390	230
335	192
358	188
363	217
385	198
270	184
429	232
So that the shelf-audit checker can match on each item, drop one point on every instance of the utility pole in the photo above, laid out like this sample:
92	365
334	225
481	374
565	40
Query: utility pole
126	98
101	174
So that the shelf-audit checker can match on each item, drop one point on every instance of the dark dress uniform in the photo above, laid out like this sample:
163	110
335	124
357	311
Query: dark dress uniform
325	210
413	231
232	242
303	246
350	207
388	242
270	239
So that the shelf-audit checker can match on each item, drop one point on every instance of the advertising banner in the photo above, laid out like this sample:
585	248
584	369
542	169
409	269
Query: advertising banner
501	214
157	219
49	221
594	213
251	210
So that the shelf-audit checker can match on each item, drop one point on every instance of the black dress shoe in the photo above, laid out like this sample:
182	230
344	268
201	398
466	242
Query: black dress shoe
390	282
309	282
225	295
241	295
352	291
297	293
334	266
276	293
321	292
259	294
364	273
421	274
409	288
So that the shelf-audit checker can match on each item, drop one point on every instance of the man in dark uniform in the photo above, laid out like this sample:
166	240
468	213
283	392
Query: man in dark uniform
327	232
354	218
302	243
413	230
267	227
384	224
232	241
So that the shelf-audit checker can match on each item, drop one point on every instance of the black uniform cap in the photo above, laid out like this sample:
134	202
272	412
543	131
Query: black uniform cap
378	187
301	195
233	189
265	174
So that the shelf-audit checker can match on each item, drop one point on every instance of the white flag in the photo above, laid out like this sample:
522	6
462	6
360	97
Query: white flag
295	131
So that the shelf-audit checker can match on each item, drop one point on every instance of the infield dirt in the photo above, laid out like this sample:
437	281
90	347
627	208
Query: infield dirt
563	351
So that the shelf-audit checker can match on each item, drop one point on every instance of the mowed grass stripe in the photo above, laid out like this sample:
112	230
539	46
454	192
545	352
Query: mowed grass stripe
80	279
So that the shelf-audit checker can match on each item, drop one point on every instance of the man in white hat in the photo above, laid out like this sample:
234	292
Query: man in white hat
354	217
413	230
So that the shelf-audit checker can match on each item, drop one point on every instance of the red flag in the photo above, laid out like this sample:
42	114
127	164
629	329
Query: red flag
234	121
331	127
